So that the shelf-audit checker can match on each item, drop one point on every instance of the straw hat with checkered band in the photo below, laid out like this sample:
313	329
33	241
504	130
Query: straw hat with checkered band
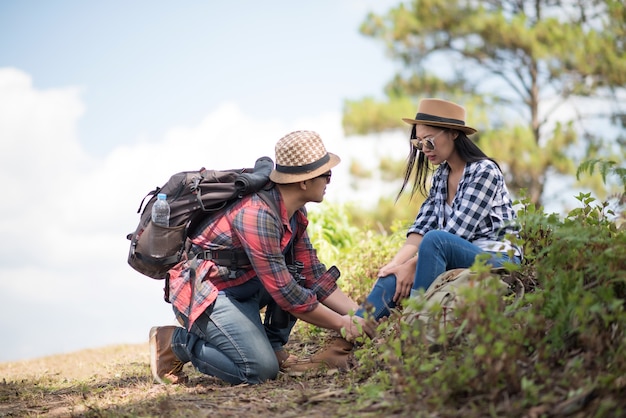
441	113
300	156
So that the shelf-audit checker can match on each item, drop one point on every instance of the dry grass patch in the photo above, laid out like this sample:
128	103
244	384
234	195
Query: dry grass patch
116	381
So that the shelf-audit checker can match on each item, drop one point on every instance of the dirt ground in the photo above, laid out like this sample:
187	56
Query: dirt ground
116	381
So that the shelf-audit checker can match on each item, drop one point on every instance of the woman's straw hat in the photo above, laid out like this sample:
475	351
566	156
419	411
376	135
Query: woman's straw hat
441	113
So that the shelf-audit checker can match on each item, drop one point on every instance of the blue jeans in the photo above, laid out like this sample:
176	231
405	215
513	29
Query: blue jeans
439	251
230	342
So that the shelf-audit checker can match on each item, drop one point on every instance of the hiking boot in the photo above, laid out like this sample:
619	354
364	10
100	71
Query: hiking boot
334	357
166	367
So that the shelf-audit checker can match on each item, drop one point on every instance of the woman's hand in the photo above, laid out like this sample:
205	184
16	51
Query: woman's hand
387	269
403	266
405	276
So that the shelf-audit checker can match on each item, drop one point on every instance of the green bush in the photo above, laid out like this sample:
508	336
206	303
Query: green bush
358	253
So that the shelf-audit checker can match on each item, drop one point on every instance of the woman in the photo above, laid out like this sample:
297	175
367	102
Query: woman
467	212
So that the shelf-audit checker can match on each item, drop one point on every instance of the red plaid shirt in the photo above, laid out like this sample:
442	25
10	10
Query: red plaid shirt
250	225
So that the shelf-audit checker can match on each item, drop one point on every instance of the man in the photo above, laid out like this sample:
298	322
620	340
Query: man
219	300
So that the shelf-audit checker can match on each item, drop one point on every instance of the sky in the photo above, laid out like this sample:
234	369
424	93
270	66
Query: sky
100	102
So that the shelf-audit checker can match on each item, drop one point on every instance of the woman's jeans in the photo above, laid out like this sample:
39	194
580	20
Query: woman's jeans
439	251
229	340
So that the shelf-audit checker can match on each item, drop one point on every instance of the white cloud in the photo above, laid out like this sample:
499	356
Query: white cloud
65	215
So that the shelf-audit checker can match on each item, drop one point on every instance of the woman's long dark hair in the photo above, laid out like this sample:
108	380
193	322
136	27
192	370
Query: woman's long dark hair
467	149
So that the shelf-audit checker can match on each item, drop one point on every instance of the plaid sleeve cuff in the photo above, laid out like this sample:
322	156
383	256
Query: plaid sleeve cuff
326	283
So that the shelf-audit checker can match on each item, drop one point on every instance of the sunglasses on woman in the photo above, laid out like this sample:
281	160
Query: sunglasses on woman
428	142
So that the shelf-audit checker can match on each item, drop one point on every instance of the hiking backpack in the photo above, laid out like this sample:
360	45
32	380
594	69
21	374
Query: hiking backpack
192	195
437	312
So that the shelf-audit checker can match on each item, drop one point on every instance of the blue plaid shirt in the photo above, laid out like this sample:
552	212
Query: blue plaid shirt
482	208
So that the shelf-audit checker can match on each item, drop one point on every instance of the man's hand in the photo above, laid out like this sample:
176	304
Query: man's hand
355	327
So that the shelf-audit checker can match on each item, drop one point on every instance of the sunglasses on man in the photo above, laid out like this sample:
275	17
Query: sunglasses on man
326	175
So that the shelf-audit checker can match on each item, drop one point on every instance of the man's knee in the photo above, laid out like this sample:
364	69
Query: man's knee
262	371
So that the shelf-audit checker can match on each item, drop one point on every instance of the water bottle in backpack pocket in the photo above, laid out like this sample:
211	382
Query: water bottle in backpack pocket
157	246
160	219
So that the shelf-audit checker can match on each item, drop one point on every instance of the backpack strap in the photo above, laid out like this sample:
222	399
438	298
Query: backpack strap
226	258
268	197
232	259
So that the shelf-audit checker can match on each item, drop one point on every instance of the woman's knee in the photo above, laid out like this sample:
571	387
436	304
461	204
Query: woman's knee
386	284
434	236
432	240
